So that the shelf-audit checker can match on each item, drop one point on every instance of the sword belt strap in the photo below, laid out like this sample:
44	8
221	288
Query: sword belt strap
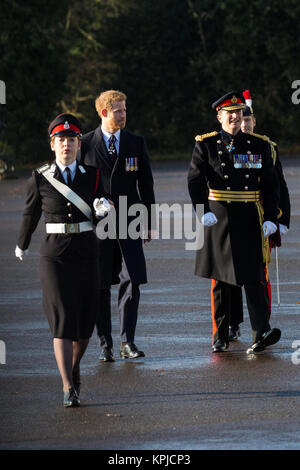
67	192
265	245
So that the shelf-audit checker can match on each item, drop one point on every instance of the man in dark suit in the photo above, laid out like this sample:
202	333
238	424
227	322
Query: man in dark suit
232	175
123	160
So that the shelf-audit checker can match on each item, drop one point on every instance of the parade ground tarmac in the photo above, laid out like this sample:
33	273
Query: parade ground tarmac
180	396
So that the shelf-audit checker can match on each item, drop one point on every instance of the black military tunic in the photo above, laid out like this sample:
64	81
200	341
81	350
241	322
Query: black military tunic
232	250
68	262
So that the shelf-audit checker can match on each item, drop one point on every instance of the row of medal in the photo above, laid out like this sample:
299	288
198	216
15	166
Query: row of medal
131	164
247	161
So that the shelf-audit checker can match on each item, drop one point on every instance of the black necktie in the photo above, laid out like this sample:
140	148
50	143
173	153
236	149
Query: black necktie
69	178
111	146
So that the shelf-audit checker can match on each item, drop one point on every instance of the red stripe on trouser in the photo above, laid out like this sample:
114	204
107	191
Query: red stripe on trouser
270	296
212	299
97	180
269	292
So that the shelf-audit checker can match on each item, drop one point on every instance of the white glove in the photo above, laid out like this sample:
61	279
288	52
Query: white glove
209	219
283	229
101	206
269	228
20	253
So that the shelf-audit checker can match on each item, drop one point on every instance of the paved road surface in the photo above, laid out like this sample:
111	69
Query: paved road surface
180	396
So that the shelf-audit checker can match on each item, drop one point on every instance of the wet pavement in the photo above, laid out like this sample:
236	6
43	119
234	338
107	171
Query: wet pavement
180	396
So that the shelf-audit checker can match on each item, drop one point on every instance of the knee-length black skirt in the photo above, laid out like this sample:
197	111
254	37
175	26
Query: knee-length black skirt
70	295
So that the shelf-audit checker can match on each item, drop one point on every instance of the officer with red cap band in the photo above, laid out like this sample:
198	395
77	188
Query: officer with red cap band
230	174
65	124
67	193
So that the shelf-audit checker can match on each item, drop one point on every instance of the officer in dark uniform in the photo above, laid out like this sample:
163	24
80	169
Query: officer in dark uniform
283	220
66	192
232	175
125	169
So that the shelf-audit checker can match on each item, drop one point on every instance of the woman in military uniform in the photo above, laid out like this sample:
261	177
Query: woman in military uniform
65	192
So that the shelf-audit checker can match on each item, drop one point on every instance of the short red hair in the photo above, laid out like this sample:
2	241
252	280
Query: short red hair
106	99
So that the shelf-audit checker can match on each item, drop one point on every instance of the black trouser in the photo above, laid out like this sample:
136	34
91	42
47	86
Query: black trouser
258	304
236	316
128	302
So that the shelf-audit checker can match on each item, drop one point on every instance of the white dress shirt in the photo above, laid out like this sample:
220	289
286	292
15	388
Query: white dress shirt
107	135
62	168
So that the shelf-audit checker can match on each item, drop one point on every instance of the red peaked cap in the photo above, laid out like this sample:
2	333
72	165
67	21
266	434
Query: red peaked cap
231	101
65	124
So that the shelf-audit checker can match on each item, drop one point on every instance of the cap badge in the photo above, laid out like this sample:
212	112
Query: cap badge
234	99
66	125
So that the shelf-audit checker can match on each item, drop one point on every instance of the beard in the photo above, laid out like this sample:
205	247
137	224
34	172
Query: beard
122	124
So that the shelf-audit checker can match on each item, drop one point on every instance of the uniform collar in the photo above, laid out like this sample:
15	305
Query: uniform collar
228	137
62	167
107	135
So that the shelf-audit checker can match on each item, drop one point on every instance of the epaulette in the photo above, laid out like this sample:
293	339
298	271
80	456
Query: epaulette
81	169
205	136
267	139
264	137
43	168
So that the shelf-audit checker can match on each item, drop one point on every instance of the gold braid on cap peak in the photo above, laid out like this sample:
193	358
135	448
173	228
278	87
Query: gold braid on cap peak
267	139
205	136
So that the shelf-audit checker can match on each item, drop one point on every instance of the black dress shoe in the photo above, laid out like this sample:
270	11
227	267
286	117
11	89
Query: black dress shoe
219	346
130	351
234	333
267	339
106	355
71	398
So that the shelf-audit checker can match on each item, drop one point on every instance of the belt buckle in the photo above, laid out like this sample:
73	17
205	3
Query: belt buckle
72	228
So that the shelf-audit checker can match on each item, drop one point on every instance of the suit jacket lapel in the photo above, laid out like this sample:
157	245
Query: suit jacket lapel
100	148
